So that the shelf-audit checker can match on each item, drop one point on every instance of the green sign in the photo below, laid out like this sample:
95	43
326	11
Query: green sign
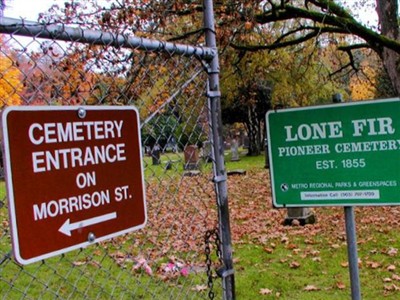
335	155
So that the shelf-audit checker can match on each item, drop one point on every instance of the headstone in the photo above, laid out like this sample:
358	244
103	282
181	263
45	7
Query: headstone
235	150
147	150
236	172
174	145
171	146
155	155
191	173
227	145
191	157
246	142
303	215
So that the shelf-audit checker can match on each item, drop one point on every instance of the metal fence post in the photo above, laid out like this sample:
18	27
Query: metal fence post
227	273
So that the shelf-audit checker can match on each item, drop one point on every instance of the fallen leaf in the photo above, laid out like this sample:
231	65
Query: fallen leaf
373	264
141	263
340	285
148	270
396	277
315	253
310	288
344	264
269	250
309	242
79	263
118	254
296	251
387	279
317	259
391	287
391	268
392	251
200	288
265	291
360	263
95	263
294	265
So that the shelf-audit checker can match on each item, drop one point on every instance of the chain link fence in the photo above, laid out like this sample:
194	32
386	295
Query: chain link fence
177	253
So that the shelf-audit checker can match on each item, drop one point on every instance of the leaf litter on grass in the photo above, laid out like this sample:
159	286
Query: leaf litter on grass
254	221
176	228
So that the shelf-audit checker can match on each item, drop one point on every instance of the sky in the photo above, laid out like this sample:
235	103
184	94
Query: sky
29	9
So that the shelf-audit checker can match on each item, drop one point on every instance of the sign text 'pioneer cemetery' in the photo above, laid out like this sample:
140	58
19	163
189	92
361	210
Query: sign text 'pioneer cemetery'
342	154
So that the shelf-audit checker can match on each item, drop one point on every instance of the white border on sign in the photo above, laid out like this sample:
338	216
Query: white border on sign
316	107
10	187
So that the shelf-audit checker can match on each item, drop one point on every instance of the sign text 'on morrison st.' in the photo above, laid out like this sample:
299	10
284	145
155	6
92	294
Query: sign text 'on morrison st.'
74	176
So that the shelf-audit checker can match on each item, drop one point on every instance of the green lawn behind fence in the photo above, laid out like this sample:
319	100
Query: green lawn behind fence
271	261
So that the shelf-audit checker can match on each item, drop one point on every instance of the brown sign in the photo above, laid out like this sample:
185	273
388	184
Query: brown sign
74	177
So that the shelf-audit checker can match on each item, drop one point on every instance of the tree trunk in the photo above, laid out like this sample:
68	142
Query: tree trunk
387	14
253	127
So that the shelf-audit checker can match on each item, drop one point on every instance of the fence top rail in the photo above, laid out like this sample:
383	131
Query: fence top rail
96	37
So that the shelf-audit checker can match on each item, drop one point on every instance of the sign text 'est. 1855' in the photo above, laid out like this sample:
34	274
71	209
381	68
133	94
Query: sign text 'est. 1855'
338	155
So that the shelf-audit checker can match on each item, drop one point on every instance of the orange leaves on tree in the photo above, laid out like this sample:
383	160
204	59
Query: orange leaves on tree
362	85
10	80
10	83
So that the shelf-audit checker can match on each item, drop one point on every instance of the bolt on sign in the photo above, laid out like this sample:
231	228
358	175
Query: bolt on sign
335	155
74	177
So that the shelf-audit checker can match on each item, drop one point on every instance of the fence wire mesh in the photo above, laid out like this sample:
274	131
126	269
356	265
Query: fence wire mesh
166	259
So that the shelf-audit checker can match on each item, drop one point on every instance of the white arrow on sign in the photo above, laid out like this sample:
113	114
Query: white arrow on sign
67	227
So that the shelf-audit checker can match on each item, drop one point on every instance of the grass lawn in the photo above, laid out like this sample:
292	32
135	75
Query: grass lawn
271	261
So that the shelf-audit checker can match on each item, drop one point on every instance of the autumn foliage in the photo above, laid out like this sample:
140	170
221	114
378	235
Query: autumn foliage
10	79
363	84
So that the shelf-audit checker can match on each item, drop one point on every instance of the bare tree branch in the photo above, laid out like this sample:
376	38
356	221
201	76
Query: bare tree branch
279	43
343	22
186	35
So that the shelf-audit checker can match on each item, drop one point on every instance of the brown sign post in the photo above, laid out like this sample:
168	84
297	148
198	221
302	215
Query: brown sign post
74	177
